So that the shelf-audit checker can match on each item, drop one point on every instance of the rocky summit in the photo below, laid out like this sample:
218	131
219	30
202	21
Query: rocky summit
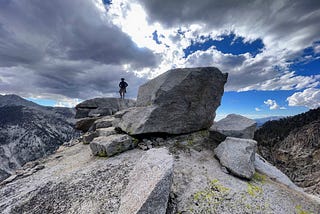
235	126
178	101
134	169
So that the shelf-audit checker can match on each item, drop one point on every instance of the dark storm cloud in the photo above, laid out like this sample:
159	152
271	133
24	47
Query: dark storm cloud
173	12
87	81
70	29
81	80
13	51
64	47
218	13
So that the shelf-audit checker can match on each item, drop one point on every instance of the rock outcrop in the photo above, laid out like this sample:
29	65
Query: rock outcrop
102	107
293	145
149	184
235	126
178	101
98	109
238	156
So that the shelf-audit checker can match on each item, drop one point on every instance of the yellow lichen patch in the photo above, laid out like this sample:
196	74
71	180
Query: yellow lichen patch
257	177
211	197
102	154
299	210
253	189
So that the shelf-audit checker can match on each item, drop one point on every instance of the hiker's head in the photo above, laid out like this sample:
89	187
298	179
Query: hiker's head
122	79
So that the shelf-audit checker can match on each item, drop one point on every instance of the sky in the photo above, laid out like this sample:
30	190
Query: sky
59	53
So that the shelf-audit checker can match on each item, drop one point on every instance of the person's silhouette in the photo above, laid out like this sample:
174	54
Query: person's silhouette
122	85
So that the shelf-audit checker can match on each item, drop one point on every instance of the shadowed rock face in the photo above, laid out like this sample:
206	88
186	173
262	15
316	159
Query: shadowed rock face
178	101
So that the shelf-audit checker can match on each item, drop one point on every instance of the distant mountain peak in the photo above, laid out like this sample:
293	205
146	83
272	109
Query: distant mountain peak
15	100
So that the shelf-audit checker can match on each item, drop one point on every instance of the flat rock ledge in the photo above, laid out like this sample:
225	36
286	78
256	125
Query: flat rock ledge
102	106
149	184
107	146
238	156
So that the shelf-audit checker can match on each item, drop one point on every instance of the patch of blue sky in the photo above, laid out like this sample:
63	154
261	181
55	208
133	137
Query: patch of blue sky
43	102
247	103
107	2
155	37
227	44
308	63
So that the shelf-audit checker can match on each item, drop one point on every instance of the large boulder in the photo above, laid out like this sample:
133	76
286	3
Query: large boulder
178	101
238	156
102	107
235	126
149	184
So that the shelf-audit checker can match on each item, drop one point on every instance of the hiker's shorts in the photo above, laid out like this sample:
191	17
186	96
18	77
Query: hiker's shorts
122	90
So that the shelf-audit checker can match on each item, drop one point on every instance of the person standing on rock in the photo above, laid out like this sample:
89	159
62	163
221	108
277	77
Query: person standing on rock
122	85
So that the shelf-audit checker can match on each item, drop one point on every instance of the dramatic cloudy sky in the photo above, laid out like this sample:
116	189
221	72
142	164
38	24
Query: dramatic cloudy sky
59	52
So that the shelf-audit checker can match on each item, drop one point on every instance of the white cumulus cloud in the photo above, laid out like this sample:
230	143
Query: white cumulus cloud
272	104
309	98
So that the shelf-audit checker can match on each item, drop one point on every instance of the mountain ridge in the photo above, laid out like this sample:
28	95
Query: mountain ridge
293	145
29	131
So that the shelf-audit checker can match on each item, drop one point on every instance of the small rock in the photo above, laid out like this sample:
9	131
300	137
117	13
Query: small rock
39	167
111	145
142	146
88	137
